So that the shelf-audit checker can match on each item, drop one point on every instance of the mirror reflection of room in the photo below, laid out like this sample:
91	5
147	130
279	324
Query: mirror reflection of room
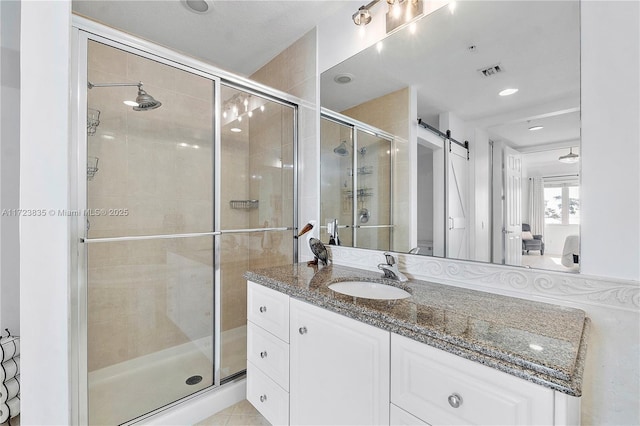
497	153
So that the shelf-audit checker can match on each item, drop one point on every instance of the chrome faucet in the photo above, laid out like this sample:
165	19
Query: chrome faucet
390	269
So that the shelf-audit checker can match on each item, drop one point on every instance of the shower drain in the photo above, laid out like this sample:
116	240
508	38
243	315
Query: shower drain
193	380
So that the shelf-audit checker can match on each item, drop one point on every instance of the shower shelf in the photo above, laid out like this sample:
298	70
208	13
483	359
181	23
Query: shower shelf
364	170
363	192
244	204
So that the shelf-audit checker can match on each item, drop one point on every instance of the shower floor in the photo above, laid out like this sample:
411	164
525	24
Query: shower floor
127	390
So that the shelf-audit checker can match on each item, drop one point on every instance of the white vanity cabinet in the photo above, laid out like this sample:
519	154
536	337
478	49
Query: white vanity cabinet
441	388
308	365
268	352
339	369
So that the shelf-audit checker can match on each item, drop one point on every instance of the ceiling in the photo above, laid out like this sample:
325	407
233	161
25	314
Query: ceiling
536	44
238	36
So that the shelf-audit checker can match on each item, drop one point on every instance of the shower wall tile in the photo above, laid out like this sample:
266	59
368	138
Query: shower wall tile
107	59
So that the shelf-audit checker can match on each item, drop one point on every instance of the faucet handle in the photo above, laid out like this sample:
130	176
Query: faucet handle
390	259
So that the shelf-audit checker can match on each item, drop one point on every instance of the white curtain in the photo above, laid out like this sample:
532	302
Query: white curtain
536	205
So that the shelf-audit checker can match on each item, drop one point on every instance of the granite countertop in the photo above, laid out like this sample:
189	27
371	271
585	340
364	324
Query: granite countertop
539	342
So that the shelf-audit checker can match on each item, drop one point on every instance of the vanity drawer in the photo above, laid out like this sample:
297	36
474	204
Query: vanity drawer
269	354
442	388
267	397
269	309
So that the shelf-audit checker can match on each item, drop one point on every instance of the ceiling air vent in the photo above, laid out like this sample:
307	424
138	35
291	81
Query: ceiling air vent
492	70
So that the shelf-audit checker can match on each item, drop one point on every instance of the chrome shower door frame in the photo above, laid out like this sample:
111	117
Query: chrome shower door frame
83	31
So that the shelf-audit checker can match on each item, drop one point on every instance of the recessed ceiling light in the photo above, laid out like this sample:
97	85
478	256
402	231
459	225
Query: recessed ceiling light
507	92
534	128
197	6
236	129
130	103
343	78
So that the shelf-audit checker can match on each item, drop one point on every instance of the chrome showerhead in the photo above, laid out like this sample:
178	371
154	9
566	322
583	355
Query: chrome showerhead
341	149
145	101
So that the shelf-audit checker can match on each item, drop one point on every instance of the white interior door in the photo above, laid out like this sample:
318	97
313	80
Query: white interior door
457	243
512	206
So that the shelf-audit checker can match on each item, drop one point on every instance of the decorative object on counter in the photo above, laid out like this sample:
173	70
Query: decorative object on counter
10	372
317	248
244	204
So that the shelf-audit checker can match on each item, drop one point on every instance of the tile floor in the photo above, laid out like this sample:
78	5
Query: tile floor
240	414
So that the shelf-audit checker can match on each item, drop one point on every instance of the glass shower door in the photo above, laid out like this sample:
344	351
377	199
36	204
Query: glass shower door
149	242
372	177
336	180
256	206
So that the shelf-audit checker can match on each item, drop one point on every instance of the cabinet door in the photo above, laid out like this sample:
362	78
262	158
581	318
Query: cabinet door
444	389
339	371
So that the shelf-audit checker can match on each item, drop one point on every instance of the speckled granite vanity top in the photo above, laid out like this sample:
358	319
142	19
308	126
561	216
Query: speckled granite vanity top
539	342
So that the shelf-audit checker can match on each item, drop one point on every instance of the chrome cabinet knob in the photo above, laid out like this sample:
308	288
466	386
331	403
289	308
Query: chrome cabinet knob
263	398
263	354
302	330
263	309
455	400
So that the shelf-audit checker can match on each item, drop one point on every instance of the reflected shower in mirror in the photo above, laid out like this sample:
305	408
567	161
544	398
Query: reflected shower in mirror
502	78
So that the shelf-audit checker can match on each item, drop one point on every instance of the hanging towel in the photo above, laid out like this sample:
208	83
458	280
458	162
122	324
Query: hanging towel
10	409
9	369
10	347
9	389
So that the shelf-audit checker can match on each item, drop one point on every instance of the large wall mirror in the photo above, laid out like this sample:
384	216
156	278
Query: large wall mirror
498	170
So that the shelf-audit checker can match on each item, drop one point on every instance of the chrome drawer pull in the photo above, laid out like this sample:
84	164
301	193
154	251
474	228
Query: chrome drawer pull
263	354
302	330
455	400
263	398
263	309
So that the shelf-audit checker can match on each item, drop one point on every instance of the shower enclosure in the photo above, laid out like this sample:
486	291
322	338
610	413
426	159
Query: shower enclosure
356	181
183	184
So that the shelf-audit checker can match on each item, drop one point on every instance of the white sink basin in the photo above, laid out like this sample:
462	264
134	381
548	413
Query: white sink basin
369	290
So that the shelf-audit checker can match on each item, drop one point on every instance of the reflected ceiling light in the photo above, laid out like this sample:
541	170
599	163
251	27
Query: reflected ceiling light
536	347
534	128
379	46
412	28
130	103
507	92
250	114
343	78
236	130
569	158
262	108
452	7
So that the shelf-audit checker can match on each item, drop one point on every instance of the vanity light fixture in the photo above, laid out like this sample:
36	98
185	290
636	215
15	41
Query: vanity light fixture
362	16
569	158
507	92
403	12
